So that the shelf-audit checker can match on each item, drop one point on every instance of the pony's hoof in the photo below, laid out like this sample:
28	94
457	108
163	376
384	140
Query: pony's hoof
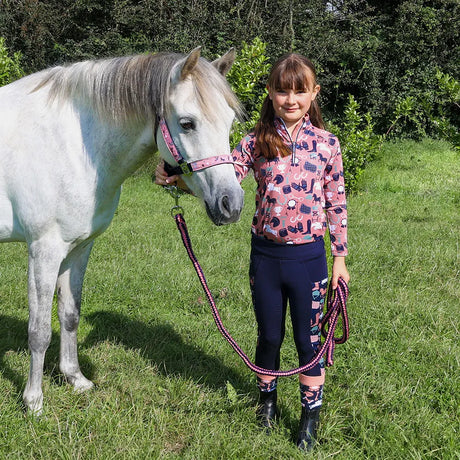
34	405
82	385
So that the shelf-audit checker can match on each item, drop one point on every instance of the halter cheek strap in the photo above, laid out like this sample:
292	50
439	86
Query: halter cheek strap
184	167
187	169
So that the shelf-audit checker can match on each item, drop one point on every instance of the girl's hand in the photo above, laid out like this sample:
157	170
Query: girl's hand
161	177
339	270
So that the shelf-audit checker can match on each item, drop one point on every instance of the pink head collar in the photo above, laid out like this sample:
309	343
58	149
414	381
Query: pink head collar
184	167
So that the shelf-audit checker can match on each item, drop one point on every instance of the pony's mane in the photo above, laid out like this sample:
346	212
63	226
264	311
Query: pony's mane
135	86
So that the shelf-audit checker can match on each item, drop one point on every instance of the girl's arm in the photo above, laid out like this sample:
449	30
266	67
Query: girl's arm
337	216
339	270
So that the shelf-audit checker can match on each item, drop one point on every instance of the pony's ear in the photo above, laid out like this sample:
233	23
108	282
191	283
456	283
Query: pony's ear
190	63
224	64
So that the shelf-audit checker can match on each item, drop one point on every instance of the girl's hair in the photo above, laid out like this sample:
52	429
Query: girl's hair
290	71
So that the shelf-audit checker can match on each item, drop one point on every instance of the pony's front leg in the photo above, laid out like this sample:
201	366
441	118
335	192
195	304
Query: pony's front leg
69	287
44	262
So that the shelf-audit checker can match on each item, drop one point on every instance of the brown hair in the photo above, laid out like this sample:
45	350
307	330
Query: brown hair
290	71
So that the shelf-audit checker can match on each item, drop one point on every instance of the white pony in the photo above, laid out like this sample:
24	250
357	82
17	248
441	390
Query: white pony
69	137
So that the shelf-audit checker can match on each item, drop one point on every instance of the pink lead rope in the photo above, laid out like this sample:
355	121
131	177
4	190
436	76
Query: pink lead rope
336	303
336	306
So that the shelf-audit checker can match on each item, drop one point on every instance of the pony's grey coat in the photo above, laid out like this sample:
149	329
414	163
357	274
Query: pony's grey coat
69	137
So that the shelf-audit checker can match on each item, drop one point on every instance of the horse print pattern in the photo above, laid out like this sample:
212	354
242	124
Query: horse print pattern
311	397
298	195
319	292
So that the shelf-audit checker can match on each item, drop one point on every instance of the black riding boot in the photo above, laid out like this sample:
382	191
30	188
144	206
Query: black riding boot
308	427
267	411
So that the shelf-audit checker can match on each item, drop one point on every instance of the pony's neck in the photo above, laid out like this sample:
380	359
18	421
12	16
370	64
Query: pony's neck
119	151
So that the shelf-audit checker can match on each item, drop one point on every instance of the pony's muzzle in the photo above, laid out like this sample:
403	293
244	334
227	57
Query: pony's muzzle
227	207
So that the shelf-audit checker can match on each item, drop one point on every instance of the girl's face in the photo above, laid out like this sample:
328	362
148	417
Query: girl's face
292	104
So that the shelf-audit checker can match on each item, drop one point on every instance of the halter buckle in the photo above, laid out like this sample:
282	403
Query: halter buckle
186	169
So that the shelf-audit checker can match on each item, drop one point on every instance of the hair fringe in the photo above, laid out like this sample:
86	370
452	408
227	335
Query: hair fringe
268	140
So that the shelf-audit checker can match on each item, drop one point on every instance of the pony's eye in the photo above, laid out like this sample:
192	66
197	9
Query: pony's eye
187	125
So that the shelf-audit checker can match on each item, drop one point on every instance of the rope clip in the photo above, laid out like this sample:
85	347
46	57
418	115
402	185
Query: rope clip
176	193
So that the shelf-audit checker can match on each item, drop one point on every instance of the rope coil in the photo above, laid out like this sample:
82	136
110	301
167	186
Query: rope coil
336	307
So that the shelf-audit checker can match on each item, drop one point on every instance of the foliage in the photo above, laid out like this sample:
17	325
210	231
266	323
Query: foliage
388	55
358	141
434	113
248	71
246	79
10	67
448	103
381	52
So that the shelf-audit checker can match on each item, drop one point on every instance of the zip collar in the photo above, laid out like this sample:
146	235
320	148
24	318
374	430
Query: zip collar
282	130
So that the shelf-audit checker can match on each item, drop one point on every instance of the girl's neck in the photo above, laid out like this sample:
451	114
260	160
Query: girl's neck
293	127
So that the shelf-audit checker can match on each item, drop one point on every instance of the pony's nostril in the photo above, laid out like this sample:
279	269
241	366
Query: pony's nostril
226	208
226	205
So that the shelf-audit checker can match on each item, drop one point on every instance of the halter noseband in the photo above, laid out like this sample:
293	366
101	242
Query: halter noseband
183	167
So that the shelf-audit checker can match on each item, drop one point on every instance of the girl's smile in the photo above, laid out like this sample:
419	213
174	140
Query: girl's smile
292	104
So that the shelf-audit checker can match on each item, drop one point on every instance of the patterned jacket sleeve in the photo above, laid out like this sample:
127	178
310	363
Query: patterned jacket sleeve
335	200
243	157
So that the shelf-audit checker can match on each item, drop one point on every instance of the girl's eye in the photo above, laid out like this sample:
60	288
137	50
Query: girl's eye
187	125
285	91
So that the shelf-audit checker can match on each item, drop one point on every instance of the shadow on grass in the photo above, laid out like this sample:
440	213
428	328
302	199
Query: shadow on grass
13	338
164	348
159	343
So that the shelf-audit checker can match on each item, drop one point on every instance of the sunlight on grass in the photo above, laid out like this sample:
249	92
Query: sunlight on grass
167	384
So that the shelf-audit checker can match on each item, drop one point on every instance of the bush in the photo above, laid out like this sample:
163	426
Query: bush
434	112
446	120
358	141
246	78
10	68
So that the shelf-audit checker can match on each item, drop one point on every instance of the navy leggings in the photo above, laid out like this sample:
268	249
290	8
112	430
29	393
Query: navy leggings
278	274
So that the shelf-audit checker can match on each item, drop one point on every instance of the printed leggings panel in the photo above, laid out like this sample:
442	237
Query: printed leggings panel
282	275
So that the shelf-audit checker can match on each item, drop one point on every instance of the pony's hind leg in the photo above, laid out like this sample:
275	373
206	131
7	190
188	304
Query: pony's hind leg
45	257
69	288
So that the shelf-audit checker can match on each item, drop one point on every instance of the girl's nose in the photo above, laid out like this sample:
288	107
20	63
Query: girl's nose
291	97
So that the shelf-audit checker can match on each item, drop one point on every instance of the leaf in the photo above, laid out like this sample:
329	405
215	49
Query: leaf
232	395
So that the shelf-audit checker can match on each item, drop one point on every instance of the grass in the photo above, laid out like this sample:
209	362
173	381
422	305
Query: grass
168	386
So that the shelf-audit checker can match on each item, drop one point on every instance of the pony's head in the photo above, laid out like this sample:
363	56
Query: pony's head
188	92
199	110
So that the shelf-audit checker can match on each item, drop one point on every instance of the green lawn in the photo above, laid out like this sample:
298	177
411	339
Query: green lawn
168	385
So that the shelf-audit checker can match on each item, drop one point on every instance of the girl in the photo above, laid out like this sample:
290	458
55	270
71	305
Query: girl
300	192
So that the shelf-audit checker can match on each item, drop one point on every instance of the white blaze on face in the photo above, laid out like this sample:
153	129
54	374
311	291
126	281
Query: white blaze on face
198	136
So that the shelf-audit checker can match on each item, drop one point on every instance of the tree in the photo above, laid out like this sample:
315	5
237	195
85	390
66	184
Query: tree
380	52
